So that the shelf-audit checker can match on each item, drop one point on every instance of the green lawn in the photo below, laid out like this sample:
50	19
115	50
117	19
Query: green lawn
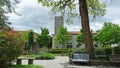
25	66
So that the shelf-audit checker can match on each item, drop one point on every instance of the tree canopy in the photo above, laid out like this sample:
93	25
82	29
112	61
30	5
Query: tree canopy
62	36
43	39
68	7
110	33
6	6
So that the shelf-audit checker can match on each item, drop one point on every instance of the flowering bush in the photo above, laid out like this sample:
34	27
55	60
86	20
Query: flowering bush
11	46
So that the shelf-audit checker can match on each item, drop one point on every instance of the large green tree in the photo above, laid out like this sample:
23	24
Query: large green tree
110	34
62	36
43	39
6	6
66	7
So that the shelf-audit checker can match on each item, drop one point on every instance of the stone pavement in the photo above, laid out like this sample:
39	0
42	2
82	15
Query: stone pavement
61	62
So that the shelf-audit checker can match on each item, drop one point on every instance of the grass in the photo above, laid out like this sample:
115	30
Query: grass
25	66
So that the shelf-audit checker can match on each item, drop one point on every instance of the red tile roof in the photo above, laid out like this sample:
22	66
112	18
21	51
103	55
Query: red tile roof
74	32
77	32
27	31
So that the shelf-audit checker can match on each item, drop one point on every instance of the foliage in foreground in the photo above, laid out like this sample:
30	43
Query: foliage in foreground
25	66
11	46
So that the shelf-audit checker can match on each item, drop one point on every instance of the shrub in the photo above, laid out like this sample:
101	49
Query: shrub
99	51
108	50
76	50
70	53
58	51
10	46
116	50
43	50
45	56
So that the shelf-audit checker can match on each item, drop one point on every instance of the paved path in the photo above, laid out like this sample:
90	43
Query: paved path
60	62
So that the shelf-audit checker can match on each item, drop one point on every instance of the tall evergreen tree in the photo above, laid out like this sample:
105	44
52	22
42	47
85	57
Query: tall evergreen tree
30	42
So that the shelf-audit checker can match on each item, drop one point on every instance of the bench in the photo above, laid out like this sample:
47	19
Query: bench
82	58
19	60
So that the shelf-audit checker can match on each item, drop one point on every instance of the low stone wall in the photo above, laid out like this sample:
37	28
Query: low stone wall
114	57
104	63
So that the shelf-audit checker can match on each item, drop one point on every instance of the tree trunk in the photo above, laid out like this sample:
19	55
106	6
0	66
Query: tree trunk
85	27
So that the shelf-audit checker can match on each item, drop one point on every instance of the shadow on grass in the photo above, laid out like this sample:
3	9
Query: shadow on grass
25	66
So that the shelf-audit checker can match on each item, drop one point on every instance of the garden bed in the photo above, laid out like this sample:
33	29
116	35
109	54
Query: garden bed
39	56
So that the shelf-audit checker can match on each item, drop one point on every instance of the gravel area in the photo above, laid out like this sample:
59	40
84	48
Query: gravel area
61	62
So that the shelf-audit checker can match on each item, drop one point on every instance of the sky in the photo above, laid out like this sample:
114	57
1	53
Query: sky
33	16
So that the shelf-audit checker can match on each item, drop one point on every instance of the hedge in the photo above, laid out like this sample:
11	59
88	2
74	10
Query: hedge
76	50
45	56
58	51
116	50
108	50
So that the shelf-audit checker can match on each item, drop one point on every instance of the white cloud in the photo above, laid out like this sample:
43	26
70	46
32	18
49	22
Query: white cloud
96	26
33	16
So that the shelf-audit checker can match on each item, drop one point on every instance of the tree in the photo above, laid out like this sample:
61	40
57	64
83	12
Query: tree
66	7
43	38
6	6
110	34
30	42
11	46
62	36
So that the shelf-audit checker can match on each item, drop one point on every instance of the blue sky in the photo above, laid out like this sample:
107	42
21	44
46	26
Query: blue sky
33	16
